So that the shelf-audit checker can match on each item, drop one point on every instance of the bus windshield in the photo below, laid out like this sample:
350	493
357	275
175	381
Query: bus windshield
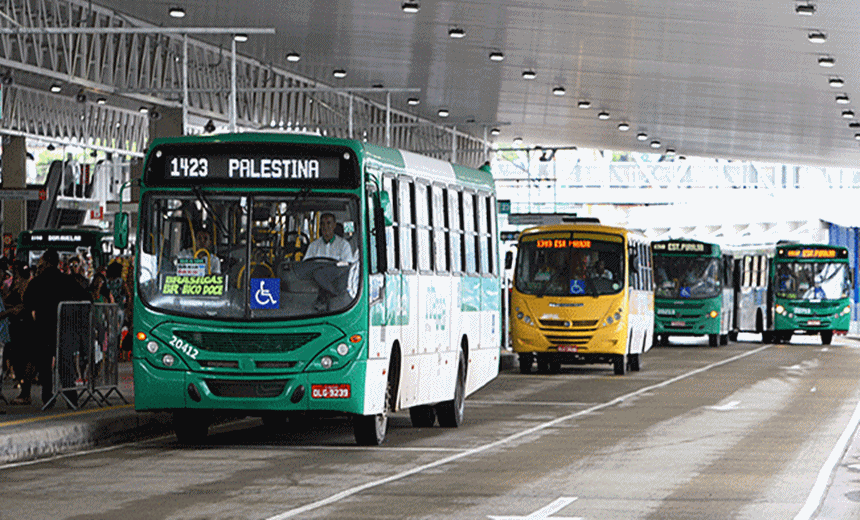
249	256
556	265
813	280
686	277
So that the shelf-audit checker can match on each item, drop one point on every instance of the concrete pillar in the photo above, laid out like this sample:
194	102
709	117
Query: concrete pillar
14	159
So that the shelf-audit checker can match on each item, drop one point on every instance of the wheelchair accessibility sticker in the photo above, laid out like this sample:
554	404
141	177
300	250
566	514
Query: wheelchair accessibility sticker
265	293
577	287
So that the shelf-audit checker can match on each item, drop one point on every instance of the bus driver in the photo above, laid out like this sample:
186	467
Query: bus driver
331	277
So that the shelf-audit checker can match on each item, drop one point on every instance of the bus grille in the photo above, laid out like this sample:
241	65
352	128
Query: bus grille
229	388
246	343
565	323
568	340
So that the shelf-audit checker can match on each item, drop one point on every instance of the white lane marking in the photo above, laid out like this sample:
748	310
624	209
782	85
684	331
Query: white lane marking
549	424
731	405
531	403
820	487
544	512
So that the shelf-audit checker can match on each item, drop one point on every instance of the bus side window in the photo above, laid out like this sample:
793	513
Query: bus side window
456	226
483	228
392	233
746	271
423	249
439	207
467	201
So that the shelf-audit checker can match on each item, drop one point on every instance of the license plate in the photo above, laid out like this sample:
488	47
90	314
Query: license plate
813	322
568	348
330	391
679	324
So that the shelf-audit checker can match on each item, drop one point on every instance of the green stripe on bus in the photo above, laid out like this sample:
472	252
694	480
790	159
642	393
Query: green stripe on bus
472	175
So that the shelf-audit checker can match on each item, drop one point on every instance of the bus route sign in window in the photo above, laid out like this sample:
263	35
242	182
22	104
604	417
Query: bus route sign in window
698	248
811	252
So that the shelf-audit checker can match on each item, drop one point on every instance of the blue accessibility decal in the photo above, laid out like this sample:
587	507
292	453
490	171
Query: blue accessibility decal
265	293
577	287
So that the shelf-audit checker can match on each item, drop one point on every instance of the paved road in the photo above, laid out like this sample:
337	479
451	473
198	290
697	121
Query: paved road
742	431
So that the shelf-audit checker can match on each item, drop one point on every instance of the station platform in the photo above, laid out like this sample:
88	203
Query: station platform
27	432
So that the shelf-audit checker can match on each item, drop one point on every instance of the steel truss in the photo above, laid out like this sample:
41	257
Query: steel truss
110	54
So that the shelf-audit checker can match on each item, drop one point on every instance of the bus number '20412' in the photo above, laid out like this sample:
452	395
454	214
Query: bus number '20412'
180	345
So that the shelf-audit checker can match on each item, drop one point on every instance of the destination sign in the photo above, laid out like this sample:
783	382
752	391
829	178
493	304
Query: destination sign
255	163
682	247
561	243
51	238
812	253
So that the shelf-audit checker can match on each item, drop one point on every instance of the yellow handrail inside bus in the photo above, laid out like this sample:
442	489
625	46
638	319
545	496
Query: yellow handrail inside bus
208	259
263	264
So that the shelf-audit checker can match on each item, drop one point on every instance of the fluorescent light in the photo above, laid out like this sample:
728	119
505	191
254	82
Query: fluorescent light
443	112
642	136
848	114
559	91
56	88
177	12
670	151
529	74
805	9
623	127
584	104
101	101
826	61
495	131
410	7
518	141
817	37
857	137
496	56
854	125
603	116
293	57
842	99
339	73
456	32
144	110
836	82
240	37
413	101
655	144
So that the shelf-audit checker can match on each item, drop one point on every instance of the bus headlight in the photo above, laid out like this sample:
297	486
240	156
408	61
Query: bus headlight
343	349
846	310
525	317
152	347
780	310
168	360
714	314
326	362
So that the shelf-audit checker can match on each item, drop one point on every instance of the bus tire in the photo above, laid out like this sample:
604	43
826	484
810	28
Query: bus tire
451	413
714	340
724	339
542	364
526	359
634	362
826	337
370	430
767	336
619	364
733	336
191	427
422	416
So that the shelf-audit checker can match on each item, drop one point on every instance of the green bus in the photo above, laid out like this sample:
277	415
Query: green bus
270	313
92	245
693	293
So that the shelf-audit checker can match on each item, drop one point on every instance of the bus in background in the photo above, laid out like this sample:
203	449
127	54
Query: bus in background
693	291
94	246
284	276
582	293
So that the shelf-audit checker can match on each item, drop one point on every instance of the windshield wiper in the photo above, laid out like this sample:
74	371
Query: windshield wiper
198	192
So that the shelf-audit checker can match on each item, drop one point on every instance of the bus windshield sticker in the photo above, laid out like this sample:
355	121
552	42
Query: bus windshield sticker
191	266
178	285
685	292
577	287
265	293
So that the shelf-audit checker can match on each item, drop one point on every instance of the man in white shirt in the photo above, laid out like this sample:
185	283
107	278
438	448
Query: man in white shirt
331	277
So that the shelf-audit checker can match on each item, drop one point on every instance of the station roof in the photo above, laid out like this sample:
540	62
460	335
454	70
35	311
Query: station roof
715	78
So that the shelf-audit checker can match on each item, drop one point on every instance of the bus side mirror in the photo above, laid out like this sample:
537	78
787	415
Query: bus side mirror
509	259
120	230
387	211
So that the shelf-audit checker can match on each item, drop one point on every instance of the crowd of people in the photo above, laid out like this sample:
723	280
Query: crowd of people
29	299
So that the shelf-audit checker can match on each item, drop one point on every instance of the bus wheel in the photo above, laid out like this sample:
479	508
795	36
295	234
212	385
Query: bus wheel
786	337
713	340
733	336
450	413
662	339
767	336
422	416
369	430
634	361
542	364
526	359
826	337
724	339
620	364
191	427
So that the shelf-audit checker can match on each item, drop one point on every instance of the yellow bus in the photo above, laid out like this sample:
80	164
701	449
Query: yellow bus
582	293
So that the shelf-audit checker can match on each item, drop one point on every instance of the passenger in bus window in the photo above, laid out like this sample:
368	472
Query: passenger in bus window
600	270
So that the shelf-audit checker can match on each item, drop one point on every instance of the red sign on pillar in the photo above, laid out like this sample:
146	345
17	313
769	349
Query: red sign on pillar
97	214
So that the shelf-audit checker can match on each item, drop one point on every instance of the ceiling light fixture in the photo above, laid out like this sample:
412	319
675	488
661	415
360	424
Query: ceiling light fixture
443	112
655	144
456	32
518	141
848	114
144	110
623	127
603	116
51	147
101	101
805	9
826	61
836	82
496	56
641	136
854	125
177	12
240	37
559	91
339	73
584	104
293	57
842	99
410	7
857	137
529	74
817	37
670	152
56	88
495	131
413	101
